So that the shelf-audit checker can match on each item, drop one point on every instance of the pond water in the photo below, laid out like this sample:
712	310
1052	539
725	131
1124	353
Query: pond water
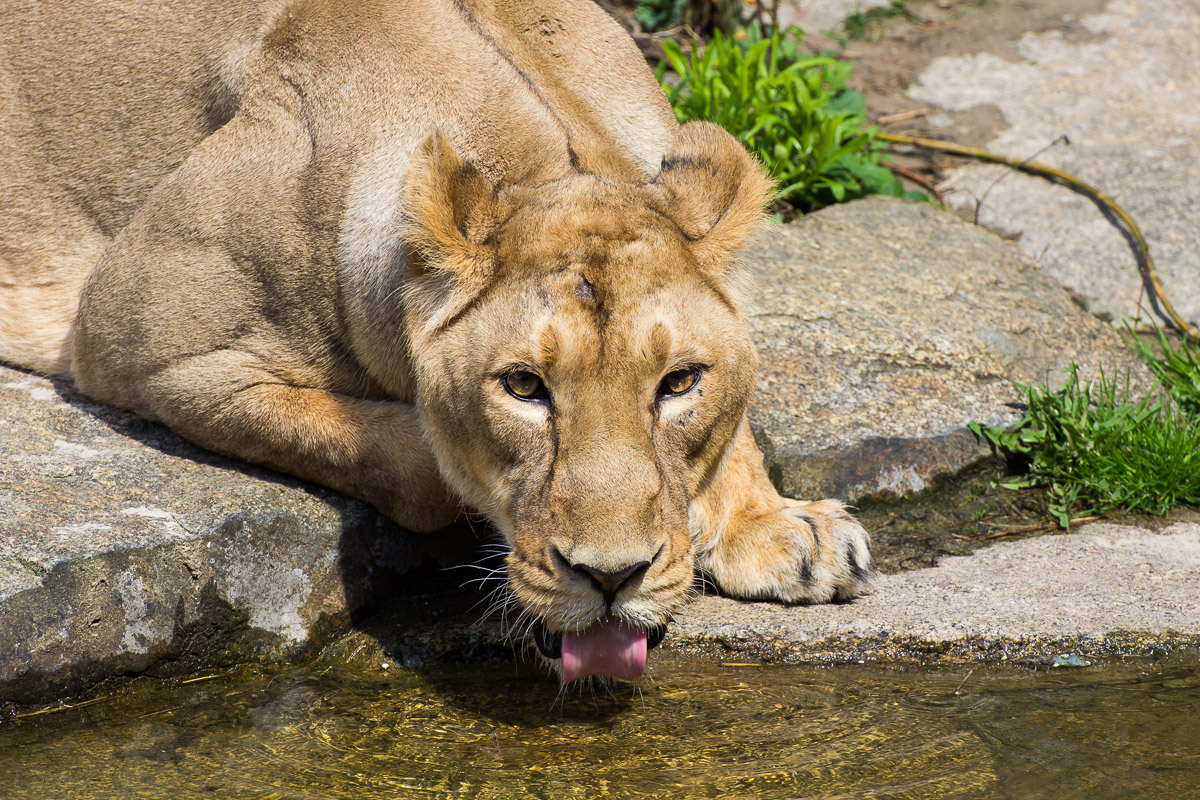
699	730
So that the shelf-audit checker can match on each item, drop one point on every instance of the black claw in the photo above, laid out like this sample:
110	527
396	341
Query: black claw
858	571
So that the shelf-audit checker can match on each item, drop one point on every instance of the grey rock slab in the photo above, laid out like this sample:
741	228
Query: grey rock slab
1103	587
123	548
1101	590
1126	99
884	327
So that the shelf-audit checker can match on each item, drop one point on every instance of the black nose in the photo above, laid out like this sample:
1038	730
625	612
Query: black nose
609	582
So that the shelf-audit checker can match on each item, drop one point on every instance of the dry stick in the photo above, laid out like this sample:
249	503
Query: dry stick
917	178
1028	159
901	116
63	707
203	678
1045	526
1110	209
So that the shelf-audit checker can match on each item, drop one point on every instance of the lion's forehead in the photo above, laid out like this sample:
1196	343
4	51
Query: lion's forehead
583	318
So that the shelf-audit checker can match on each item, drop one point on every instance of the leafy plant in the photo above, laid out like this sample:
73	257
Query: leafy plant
1095	449
794	111
860	23
702	16
1176	367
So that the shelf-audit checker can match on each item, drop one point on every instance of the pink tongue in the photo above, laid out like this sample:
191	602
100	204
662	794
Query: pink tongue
608	647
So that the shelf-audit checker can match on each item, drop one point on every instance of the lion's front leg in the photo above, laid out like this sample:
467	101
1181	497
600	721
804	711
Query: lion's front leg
758	545
229	401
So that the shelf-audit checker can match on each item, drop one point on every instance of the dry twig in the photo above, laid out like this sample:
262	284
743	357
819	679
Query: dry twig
1045	526
903	116
917	178
56	709
1111	210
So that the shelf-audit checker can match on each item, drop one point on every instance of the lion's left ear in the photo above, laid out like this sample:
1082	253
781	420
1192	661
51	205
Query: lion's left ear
452	208
715	192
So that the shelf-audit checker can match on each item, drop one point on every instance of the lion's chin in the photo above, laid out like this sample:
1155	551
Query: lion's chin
607	647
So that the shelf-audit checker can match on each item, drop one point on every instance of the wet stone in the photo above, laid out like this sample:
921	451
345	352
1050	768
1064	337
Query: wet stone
1058	601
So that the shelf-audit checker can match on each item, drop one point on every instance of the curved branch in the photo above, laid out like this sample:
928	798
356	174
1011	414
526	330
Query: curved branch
1110	209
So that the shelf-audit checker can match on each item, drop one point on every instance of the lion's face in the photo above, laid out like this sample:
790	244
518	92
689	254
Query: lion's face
583	368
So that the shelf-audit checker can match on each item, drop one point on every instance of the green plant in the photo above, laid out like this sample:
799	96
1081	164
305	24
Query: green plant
1094	449
792	110
860	23
1177	368
702	16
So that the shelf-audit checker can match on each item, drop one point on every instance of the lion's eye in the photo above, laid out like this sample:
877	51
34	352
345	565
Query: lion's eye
678	382
525	385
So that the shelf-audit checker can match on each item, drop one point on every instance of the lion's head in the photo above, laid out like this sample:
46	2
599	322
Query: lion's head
583	362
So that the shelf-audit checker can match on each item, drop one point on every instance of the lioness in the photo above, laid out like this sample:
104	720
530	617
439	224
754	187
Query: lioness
437	254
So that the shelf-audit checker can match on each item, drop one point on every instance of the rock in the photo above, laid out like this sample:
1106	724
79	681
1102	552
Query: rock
1101	590
1118	90
883	327
125	549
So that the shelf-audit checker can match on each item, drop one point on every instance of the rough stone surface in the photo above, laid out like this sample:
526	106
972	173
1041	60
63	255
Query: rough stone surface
1126	98
1097	587
1102	590
884	326
123	548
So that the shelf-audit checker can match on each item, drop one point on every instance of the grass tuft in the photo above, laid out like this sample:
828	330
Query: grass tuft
1096	449
861	23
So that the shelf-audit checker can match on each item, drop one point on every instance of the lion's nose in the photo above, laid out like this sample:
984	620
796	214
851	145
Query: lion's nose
609	578
609	582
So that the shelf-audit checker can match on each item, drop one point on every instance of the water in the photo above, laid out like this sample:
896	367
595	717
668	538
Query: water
701	730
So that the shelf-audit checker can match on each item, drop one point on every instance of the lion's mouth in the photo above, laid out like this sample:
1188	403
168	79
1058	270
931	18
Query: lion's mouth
608	647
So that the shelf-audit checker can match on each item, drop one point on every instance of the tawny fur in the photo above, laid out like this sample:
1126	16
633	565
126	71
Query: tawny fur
317	235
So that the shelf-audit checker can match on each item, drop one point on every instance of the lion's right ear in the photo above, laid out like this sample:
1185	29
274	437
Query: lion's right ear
716	192
452	208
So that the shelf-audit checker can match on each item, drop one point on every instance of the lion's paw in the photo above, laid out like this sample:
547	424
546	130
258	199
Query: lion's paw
804	553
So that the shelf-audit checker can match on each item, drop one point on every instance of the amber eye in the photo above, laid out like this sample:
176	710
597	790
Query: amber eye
678	382
525	385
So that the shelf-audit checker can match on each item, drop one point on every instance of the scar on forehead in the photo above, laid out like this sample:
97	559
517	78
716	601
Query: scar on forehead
585	291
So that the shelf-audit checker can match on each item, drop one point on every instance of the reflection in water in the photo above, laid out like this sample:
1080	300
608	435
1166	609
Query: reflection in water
701	730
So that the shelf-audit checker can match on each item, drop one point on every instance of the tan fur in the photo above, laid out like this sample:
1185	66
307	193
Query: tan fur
318	235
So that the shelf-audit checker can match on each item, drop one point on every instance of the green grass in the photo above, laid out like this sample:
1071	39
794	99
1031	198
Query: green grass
702	16
1094	448
1177	369
793	110
859	24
